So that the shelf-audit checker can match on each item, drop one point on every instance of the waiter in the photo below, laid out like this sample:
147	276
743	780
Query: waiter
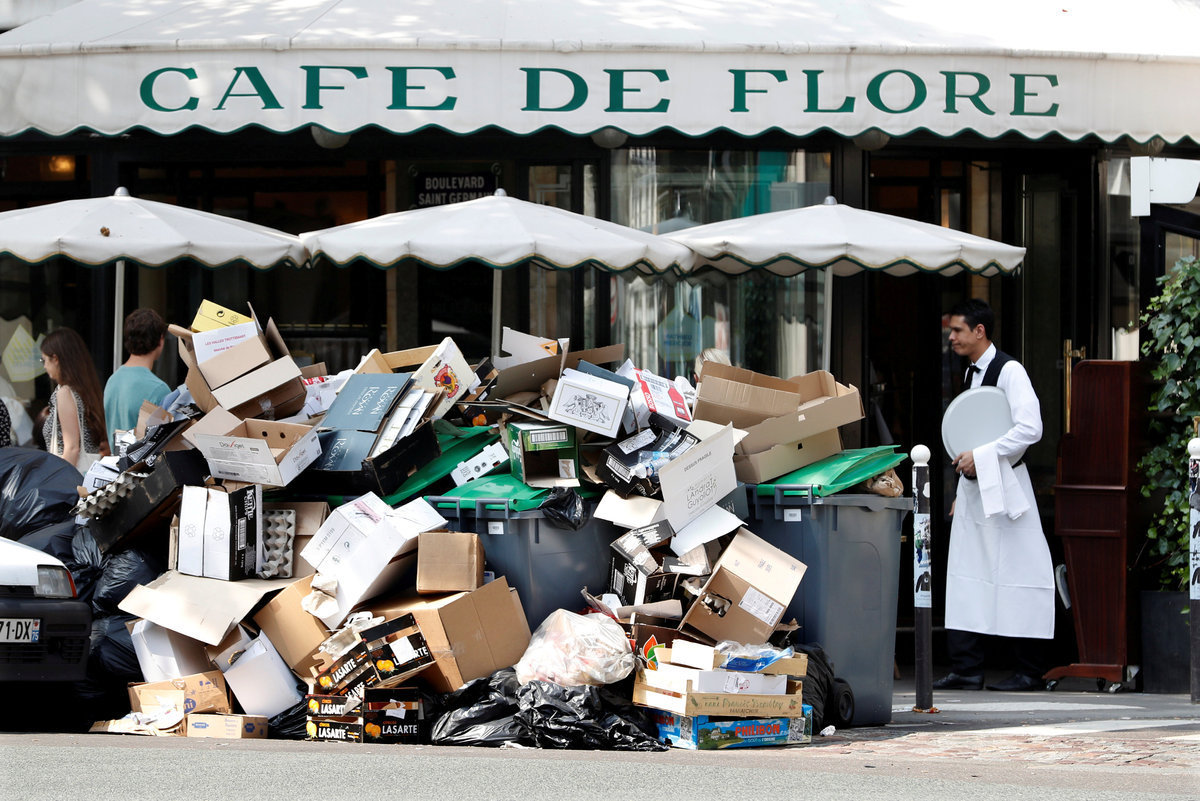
1000	579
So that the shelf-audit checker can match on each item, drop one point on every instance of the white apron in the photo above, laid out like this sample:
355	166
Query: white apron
999	579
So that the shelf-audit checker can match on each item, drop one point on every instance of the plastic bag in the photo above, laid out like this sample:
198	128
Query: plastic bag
122	572
565	509
54	540
86	563
750	658
37	490
570	649
818	682
483	712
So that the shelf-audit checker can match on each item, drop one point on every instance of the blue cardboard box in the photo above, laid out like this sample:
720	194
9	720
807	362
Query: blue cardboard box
702	732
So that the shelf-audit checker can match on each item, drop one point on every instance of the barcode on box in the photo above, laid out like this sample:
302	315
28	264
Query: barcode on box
543	437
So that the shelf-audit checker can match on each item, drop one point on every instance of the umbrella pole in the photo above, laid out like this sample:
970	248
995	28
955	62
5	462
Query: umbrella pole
827	326
118	313
497	306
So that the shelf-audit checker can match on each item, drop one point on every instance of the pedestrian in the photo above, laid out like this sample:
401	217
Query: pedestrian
74	427
135	381
1000	579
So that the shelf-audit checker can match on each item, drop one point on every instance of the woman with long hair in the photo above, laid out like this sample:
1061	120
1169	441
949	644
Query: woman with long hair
75	423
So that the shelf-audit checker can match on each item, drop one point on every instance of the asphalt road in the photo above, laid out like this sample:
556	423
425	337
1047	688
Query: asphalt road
981	746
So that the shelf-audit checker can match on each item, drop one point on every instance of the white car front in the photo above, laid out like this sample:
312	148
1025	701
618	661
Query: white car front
44	631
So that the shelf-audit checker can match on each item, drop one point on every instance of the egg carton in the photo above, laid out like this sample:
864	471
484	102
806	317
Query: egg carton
278	536
101	501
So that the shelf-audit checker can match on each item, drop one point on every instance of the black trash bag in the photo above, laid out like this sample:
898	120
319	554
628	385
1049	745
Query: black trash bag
53	539
482	712
818	682
112	665
37	489
86	563
584	717
122	572
496	710
290	724
564	508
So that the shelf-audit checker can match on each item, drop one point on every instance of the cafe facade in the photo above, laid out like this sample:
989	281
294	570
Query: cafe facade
1015	122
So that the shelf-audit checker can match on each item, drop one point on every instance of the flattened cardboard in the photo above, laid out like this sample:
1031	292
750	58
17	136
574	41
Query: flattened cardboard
529	376
449	561
826	405
201	608
212	315
470	634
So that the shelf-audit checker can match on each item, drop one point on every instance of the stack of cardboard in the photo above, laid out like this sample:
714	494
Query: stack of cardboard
273	597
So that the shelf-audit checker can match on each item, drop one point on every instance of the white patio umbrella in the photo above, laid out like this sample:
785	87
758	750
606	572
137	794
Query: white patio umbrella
842	240
119	229
499	231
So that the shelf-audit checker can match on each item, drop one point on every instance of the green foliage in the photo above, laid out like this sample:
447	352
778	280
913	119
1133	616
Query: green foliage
1172	328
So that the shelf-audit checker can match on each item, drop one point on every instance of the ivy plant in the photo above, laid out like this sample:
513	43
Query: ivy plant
1171	345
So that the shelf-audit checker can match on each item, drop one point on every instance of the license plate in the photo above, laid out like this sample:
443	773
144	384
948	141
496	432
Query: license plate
17	629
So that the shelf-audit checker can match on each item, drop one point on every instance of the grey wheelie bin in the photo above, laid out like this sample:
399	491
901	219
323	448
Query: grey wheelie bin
847	600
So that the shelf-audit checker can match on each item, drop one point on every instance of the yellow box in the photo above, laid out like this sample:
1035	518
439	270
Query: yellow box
210	316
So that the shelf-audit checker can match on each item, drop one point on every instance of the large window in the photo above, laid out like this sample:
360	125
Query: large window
764	322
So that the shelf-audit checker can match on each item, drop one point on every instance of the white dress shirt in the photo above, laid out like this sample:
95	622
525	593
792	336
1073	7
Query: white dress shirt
1022	404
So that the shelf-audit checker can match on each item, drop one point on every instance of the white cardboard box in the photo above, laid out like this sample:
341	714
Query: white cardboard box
360	545
261	681
257	451
589	402
190	550
163	654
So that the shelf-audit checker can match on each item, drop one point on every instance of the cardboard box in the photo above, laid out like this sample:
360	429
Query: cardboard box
703	732
295	633
189	546
232	532
152	503
589	402
435	367
349	675
332	706
261	682
226	353
543	454
211	315
630	466
202	692
338	730
397	650
674	689
394	715
638	574
310	515
227	727
470	634
743	397
257	451
363	544
531	375
750	587
825	405
274	388
652	395
165	655
449	561
759	468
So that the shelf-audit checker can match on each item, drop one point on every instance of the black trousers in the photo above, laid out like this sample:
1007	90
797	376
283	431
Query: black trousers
967	650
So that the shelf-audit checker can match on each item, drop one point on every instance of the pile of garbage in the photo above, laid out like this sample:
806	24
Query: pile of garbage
547	548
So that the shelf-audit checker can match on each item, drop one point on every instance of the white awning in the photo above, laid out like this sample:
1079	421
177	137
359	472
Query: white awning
1034	67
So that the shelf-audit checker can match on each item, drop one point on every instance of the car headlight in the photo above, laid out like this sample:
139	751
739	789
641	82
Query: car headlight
54	582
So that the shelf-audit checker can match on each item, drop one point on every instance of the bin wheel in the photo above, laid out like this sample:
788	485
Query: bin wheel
840	707
1052	685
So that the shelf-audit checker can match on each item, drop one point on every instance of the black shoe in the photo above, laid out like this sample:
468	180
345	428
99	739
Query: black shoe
1019	682
953	681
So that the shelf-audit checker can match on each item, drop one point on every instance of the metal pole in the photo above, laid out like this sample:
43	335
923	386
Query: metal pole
118	312
922	581
1193	565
